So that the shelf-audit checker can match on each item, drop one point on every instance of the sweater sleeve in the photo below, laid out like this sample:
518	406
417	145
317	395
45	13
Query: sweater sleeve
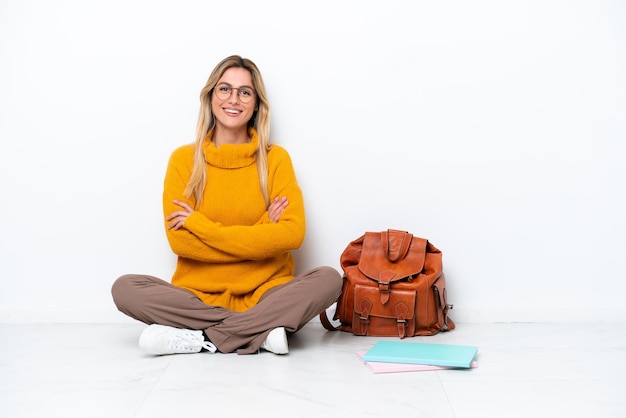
204	240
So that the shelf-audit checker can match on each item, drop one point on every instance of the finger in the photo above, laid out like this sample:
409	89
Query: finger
279	201
178	223
183	205
178	219
175	215
275	213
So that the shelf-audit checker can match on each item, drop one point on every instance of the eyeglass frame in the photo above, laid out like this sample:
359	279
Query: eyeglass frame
230	94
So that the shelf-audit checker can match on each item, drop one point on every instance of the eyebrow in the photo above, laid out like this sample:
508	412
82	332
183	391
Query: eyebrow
230	85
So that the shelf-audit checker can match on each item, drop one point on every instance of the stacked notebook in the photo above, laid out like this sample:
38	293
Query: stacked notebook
404	356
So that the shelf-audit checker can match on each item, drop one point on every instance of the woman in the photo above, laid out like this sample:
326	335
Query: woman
233	212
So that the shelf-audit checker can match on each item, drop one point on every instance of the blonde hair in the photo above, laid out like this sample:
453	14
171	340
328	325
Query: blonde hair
260	121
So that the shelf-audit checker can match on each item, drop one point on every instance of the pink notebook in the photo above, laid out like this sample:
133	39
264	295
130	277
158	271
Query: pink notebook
380	367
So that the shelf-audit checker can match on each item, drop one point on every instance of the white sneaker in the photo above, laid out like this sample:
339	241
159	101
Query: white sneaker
276	341
160	339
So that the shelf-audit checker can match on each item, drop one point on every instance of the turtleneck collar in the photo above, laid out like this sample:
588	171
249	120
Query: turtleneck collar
231	155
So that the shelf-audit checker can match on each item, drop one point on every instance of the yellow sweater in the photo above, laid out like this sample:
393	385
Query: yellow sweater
229	252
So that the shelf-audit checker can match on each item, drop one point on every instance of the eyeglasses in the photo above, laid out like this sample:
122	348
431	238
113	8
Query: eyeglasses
223	91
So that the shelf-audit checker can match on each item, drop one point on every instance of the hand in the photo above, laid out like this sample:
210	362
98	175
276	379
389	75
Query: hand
180	216
277	207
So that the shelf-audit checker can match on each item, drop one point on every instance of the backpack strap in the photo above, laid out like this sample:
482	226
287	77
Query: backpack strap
326	322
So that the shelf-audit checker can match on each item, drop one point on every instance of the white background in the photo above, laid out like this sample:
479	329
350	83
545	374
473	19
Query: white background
494	129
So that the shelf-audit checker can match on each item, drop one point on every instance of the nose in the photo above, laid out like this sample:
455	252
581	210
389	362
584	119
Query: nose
234	95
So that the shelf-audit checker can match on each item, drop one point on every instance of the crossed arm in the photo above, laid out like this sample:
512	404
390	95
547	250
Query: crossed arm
193	235
177	218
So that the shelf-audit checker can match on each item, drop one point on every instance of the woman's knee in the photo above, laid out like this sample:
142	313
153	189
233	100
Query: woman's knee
331	277
122	288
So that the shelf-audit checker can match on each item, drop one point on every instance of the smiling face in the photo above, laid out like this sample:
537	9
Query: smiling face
231	114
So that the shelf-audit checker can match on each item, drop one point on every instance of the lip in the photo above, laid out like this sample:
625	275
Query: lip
232	112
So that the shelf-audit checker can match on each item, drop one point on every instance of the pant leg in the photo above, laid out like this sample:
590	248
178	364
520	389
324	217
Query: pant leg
155	301
291	305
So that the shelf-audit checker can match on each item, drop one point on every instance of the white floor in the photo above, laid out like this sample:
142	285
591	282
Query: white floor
524	370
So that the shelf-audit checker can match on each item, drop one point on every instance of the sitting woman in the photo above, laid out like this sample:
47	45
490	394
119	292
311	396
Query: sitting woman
233	213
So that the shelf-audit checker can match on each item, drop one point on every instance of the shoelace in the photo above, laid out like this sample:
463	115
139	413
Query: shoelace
190	341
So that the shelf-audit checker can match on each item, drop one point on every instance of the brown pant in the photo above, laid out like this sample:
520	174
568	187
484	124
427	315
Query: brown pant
155	301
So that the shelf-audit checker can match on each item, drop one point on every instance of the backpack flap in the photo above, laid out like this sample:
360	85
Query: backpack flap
390	256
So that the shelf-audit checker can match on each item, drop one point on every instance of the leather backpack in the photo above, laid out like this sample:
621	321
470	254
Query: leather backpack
393	285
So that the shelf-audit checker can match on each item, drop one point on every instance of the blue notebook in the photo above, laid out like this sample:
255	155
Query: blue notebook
422	353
